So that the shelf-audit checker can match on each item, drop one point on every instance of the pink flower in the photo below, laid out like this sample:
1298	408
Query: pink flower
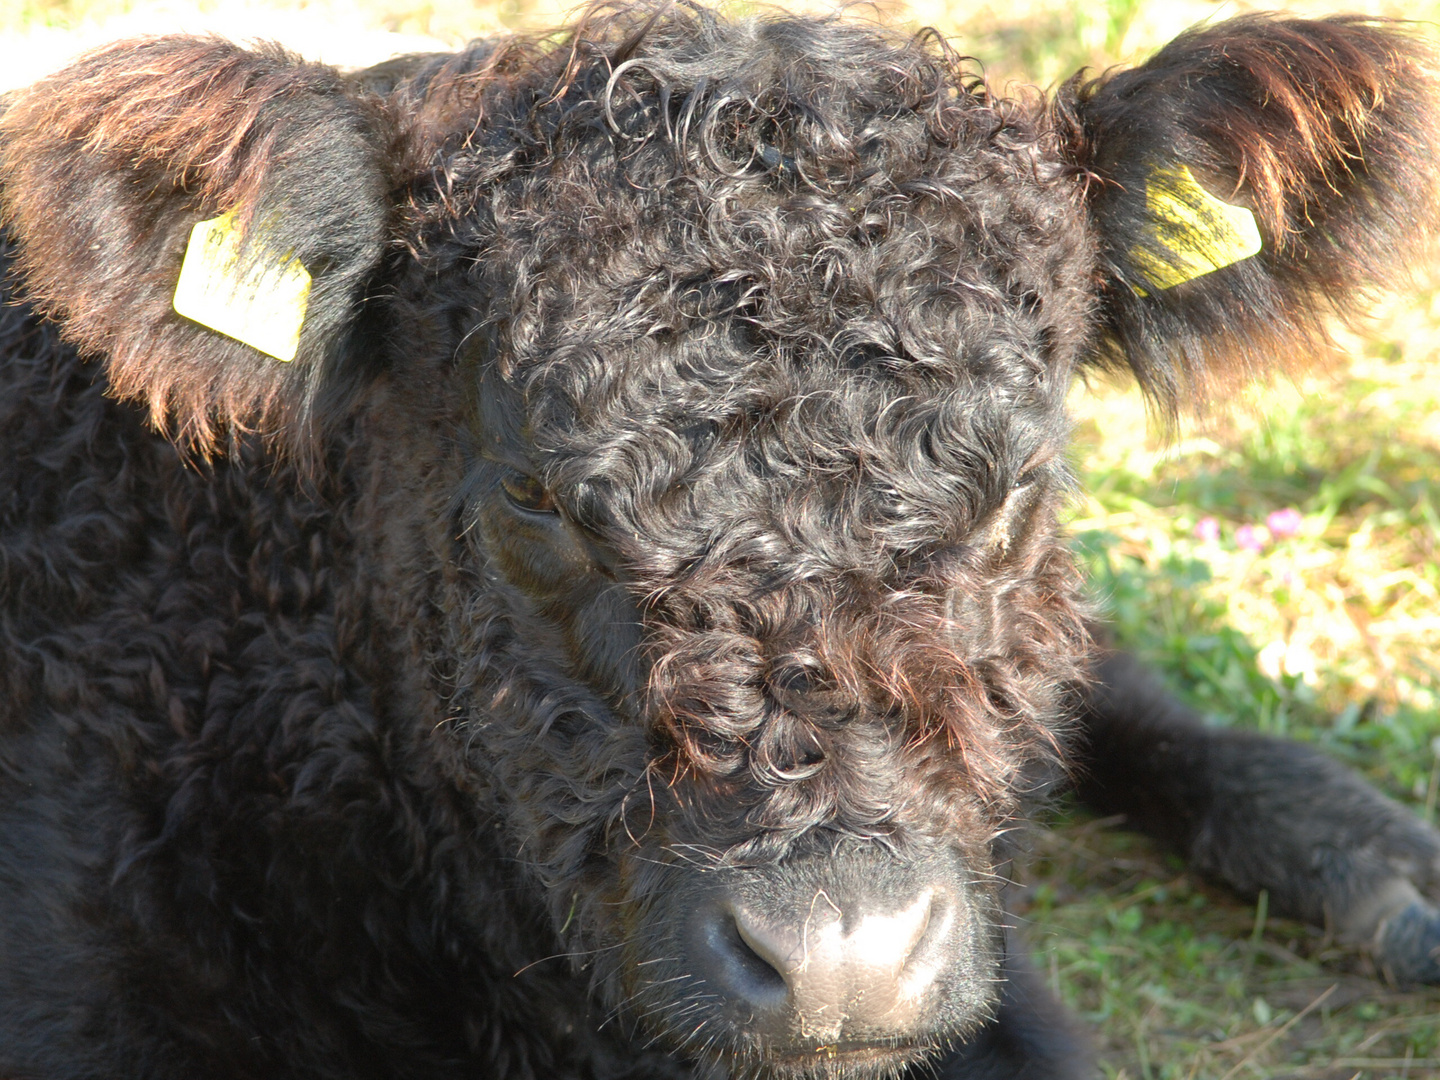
1250	538
1207	529
1283	523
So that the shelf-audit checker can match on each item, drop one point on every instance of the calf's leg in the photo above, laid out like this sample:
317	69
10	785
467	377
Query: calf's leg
1260	813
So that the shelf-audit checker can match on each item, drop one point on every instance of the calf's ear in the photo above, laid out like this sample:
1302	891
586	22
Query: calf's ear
107	169
1254	178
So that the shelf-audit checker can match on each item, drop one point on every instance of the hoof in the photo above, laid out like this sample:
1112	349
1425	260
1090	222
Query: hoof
1408	944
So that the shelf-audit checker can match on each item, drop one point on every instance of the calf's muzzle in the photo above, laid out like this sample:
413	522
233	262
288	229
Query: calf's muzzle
834	955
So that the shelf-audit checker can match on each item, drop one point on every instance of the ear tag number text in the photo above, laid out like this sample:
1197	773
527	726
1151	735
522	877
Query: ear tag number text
260	301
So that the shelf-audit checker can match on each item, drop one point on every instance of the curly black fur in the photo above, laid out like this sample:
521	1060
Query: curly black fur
662	505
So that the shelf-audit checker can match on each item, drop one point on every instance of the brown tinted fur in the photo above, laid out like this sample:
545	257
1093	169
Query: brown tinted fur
1326	130
125	151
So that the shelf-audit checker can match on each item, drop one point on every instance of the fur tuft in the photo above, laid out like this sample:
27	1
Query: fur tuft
1327	130
105	168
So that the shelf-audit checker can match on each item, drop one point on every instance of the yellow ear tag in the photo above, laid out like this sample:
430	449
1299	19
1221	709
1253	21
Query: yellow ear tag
1200	233
261	303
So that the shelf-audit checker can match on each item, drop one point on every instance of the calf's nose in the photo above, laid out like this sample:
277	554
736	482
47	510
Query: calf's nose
833	969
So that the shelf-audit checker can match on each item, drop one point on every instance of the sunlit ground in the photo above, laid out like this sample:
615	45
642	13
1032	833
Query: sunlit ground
1277	559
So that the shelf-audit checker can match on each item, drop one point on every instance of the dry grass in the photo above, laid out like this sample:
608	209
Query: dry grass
1332	634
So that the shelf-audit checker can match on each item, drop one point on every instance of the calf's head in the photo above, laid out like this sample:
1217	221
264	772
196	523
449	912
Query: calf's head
706	380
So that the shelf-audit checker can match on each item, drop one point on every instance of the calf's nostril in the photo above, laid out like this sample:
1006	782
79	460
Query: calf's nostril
765	946
741	970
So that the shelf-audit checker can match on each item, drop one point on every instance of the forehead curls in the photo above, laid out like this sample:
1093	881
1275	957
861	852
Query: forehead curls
659	91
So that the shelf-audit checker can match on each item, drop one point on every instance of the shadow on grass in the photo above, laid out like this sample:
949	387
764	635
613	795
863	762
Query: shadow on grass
1180	978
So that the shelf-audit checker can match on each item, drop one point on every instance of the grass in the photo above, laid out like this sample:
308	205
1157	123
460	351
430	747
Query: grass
1330	635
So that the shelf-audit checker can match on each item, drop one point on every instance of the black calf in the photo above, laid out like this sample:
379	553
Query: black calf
593	606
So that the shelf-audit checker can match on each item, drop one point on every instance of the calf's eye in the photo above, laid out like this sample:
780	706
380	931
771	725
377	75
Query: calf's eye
1031	470
527	493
